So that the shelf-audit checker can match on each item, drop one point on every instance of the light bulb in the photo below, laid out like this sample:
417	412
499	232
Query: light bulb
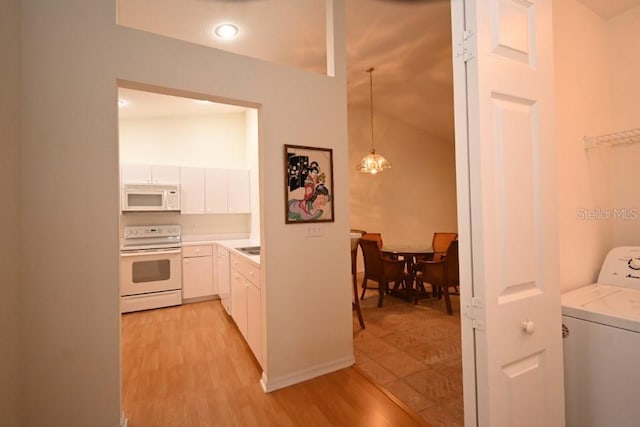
226	31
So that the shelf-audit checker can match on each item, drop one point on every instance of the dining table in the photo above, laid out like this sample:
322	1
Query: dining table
410	254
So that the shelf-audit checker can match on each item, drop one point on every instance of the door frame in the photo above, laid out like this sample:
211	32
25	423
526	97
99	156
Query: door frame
463	195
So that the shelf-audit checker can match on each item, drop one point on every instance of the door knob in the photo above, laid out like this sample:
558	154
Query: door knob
528	327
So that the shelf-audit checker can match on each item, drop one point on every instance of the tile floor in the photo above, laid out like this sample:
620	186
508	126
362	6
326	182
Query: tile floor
413	351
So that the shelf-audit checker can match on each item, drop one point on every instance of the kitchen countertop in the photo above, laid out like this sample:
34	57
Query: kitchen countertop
231	244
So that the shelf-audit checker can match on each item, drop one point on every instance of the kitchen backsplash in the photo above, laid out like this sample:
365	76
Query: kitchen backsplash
191	224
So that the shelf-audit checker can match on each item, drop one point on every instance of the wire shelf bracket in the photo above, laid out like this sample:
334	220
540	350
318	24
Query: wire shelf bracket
625	137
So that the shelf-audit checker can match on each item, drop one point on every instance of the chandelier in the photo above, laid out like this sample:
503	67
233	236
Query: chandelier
373	162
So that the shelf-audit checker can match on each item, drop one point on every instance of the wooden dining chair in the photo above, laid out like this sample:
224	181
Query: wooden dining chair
440	244
377	237
380	269
441	274
354	261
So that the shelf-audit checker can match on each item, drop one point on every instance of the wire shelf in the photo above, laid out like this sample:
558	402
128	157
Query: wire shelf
624	137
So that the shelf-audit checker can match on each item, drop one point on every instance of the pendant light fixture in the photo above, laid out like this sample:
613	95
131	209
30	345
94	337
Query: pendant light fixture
373	162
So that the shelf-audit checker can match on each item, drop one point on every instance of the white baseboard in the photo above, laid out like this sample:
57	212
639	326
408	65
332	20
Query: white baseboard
272	384
123	420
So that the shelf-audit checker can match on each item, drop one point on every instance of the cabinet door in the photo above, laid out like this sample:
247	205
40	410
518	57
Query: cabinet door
197	277
254	321
169	175
216	191
135	174
238	196
192	190
239	301
224	285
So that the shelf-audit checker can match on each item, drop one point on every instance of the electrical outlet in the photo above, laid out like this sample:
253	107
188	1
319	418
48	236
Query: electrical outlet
314	230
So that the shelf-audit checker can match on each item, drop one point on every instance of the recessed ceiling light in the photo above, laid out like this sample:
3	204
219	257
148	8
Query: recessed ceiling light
122	102
203	101
226	31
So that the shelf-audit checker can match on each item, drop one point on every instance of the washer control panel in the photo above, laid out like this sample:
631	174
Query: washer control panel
621	267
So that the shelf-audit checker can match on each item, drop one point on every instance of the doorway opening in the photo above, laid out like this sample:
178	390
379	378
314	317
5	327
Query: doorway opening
189	178
412	350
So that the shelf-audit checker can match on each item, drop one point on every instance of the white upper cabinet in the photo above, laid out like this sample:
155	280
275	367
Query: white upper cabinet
238	194
149	174
227	191
192	190
216	191
210	191
165	175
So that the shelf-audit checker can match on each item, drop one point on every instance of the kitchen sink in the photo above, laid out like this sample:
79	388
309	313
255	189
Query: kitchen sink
250	250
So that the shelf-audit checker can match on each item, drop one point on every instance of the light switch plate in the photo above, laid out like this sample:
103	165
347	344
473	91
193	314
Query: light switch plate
314	230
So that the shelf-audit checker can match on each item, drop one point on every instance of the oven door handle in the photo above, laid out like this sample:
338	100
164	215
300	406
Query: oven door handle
142	253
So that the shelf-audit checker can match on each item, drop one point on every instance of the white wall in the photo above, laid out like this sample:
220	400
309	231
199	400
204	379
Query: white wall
413	199
215	141
10	342
73	56
623	39
582	106
253	163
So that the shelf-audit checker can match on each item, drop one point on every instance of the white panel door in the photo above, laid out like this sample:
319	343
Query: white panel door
514	298
191	190
238	197
216	191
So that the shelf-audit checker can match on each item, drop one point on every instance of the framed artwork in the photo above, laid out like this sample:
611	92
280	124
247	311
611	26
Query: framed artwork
308	184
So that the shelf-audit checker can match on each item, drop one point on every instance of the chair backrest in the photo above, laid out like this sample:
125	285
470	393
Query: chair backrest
355	241
440	244
453	264
372	259
377	237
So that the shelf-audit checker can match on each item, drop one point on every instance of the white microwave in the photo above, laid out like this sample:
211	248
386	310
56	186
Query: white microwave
150	198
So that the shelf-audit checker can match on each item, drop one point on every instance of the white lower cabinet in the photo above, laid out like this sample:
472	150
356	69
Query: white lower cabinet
223	278
254	320
246	302
239	301
198	272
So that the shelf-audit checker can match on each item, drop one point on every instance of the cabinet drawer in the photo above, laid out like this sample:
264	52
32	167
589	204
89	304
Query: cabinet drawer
193	251
247	269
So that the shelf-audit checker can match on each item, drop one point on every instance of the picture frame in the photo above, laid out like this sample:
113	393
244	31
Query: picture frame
308	173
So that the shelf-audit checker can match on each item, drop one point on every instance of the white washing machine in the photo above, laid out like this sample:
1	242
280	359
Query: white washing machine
601	331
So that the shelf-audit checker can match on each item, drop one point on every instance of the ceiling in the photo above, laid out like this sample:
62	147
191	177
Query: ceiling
140	104
607	9
407	41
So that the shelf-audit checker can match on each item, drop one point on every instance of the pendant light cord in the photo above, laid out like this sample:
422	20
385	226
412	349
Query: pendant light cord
370	71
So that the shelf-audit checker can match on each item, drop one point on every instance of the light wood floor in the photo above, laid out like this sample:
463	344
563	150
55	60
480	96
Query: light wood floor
188	366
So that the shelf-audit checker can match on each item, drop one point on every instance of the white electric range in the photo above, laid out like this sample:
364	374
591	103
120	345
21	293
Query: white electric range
150	267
